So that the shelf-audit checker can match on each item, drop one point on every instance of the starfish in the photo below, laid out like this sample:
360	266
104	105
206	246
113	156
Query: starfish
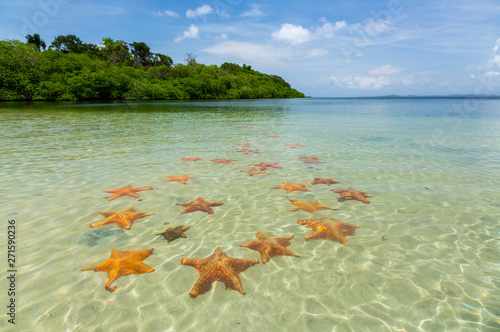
328	182
351	194
127	190
123	262
308	205
124	218
218	267
222	161
288	187
270	247
173	233
243	144
247	151
272	136
328	229
242	127
199	204
292	145
252	171
310	160
182	179
265	165
192	159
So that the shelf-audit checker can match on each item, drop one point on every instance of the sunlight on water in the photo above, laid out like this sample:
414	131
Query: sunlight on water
425	255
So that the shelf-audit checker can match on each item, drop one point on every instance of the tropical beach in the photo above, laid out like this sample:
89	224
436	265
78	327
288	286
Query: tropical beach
221	199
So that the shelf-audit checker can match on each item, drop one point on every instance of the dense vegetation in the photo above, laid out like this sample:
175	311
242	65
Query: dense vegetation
72	70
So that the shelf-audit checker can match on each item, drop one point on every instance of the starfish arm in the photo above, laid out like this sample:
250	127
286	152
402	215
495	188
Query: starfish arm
112	276
138	268
295	209
143	254
261	236
112	197
100	223
240	265
314	236
202	285
182	204
104	266
233	281
132	194
281	252
107	213
195	262
253	245
284	241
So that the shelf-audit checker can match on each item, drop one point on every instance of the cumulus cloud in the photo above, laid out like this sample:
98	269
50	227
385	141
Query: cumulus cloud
293	34
249	52
361	82
200	11
385	70
495	56
192	32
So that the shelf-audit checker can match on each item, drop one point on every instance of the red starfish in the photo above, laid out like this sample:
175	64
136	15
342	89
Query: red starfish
126	191
182	179
199	204
328	229
351	194
247	151
288	187
218	267
328	182
270	247
222	161
192	159
265	165
124	218
310	160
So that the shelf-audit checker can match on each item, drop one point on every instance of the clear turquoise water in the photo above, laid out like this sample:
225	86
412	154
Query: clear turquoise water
425	257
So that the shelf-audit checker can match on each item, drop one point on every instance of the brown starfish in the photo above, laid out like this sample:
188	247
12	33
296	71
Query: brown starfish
182	179
123	262
270	247
222	161
310	160
247	151
308	205
199	204
328	229
292	145
173	233
328	182
252	171
351	194
288	187
218	267
126	191
265	165
243	144
124	218
192	159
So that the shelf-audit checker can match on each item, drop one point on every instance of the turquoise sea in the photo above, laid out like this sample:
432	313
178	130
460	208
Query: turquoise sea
426	255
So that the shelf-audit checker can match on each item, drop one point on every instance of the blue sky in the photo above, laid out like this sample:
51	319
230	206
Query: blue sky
323	48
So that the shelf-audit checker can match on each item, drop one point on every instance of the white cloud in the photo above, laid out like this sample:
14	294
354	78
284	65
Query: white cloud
249	52
171	13
328	29
385	70
317	52
293	34
192	32
491	74
361	82
253	12
200	11
495	56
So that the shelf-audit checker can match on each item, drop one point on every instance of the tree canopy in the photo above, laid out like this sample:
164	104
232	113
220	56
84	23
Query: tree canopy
72	70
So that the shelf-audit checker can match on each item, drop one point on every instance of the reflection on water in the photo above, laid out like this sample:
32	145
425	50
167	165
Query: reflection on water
423	258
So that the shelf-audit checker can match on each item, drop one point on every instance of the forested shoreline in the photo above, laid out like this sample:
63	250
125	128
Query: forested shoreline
72	70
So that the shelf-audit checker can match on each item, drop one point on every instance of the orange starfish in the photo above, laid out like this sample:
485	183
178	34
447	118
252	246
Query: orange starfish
308	205
328	229
222	161
328	182
199	204
292	145
182	179
123	262
270	247
272	136
310	160
192	159
288	187
126	191
351	194
124	218
247	151
265	165
252	171
243	144
218	267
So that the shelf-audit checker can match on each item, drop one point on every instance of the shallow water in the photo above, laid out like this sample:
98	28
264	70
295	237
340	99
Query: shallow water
425	255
